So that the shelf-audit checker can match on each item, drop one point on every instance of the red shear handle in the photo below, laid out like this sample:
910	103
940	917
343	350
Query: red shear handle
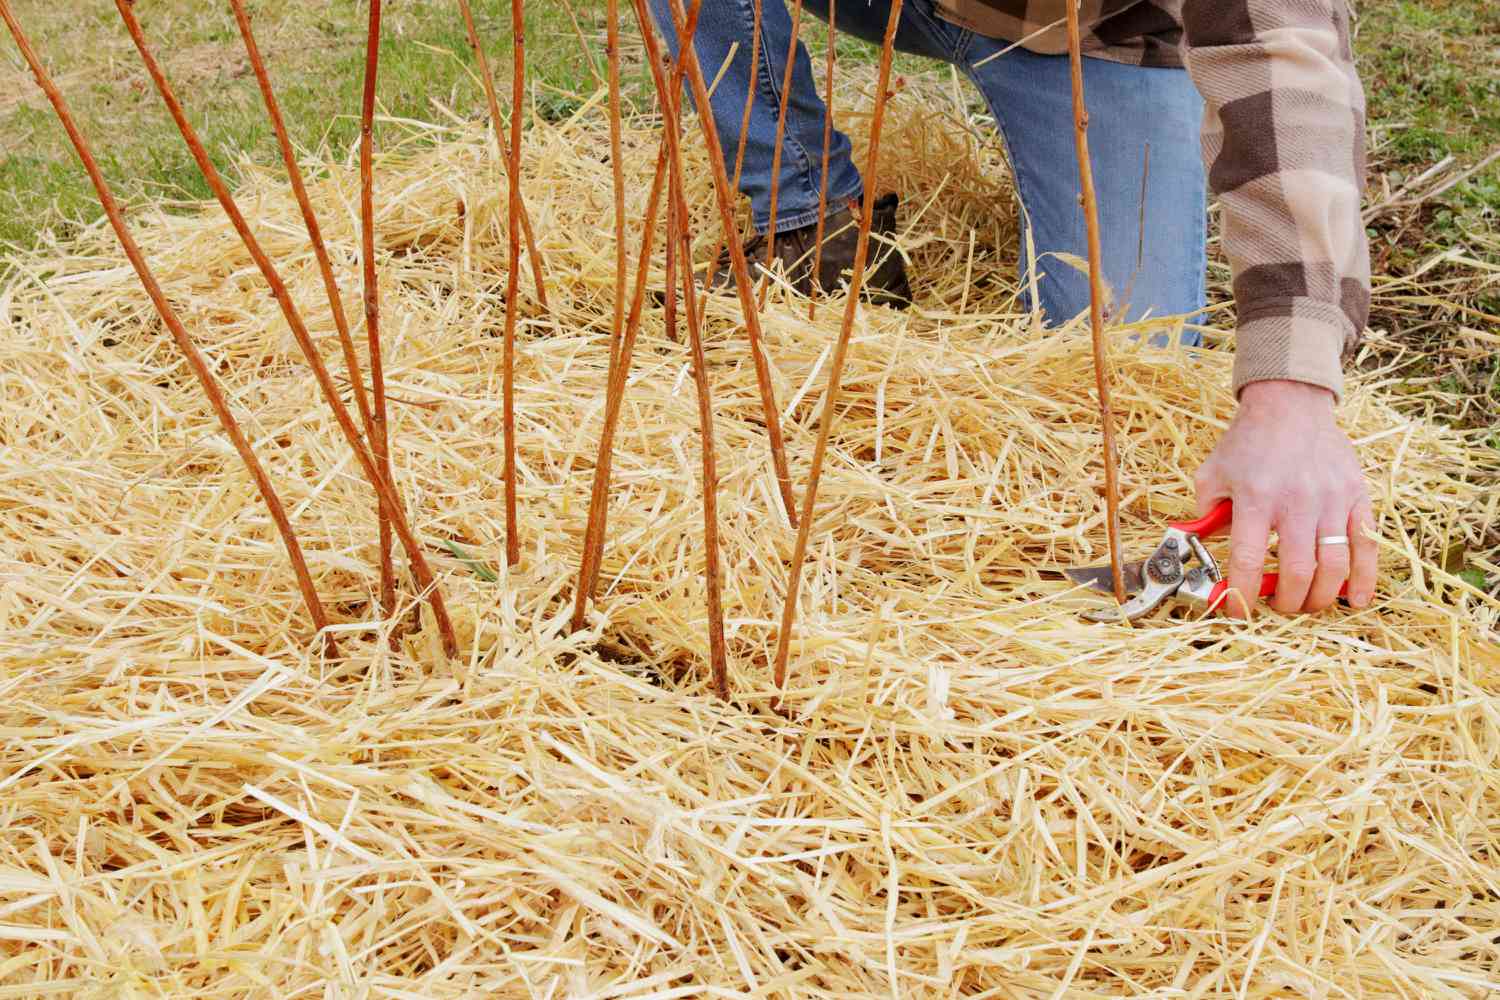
1268	584
1211	523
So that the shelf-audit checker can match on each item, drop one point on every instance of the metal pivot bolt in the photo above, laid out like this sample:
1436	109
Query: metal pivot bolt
1166	565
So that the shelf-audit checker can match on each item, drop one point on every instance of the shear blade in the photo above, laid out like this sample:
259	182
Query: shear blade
1101	578
1137	607
1144	596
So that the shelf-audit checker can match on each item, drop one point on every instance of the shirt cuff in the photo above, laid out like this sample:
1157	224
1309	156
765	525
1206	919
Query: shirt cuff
1300	340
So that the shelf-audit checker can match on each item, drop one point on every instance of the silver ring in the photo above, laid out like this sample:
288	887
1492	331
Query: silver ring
1334	540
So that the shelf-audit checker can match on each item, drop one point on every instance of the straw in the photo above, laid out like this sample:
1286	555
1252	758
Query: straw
975	793
583	44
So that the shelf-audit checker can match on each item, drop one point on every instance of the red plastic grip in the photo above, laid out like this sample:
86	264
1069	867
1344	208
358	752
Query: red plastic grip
1268	584
1211	523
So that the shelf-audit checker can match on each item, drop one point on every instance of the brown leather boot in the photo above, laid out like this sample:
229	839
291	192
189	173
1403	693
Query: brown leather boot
885	272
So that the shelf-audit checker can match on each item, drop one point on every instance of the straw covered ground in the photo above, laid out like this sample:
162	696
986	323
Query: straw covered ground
974	792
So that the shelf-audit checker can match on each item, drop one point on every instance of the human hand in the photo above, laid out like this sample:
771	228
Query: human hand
1289	468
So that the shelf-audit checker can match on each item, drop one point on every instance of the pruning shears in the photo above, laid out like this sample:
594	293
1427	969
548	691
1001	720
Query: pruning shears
1180	568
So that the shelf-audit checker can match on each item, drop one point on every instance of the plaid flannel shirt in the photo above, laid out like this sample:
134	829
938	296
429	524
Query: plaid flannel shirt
1283	139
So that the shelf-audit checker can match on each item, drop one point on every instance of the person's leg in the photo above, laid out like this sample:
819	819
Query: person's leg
726	26
1143	126
729	25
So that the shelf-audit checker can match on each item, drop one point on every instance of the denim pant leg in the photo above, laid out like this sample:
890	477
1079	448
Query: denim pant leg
1158	269
721	25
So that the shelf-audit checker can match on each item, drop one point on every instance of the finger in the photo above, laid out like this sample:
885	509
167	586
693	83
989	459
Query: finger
1364	554
1210	487
1333	561
1296	552
1247	556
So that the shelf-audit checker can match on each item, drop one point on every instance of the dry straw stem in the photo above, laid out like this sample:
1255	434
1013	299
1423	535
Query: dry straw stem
752	90
598	506
717	656
1411	194
614	399
978	794
1096	304
669	255
309	219
201	373
583	44
786	93
669	266
379	438
830	62
616	169
390	506
725	196
620	357
840	351
513	277
493	101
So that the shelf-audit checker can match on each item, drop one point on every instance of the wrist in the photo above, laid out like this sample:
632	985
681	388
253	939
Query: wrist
1283	395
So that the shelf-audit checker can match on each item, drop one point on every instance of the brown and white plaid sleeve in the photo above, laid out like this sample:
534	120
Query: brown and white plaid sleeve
1283	141
1140	32
1283	137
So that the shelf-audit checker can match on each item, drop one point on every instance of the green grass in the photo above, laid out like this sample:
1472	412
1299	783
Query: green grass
315	52
1432	72
1430	66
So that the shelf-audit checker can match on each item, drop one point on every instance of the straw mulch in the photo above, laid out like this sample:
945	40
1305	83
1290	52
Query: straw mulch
975	793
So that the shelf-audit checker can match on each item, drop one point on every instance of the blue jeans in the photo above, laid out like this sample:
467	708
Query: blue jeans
1030	96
